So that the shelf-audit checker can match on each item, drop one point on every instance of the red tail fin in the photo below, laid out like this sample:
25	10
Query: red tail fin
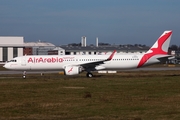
160	47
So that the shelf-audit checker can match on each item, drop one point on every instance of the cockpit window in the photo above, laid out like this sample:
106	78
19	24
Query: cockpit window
13	61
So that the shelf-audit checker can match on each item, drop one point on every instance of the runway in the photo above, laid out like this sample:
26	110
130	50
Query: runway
139	69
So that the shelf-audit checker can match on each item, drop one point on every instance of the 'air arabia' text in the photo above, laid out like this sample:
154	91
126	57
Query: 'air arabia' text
45	60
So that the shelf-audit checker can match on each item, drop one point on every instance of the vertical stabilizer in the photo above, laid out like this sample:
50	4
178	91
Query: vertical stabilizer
160	47
162	44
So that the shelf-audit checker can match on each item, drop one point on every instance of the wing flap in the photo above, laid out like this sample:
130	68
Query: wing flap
92	65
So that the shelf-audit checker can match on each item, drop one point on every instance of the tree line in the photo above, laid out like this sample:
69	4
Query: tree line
174	47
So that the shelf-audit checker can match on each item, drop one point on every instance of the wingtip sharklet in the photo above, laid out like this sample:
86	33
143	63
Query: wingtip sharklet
111	56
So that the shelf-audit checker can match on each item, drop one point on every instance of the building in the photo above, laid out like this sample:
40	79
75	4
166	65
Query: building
57	51
94	50
100	48
83	41
10	47
37	48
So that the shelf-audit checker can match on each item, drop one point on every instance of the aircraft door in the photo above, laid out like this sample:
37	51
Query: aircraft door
23	61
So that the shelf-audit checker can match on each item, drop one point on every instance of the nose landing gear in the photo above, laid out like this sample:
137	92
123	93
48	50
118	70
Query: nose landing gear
24	75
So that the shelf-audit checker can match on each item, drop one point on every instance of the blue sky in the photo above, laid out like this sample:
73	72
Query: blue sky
112	21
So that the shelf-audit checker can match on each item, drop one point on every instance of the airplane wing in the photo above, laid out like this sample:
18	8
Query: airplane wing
92	65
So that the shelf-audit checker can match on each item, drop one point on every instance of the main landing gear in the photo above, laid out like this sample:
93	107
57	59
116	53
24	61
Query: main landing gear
89	75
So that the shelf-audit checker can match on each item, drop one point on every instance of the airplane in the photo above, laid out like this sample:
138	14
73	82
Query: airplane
76	64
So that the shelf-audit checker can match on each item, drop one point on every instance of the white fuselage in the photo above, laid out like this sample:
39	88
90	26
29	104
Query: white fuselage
57	62
75	64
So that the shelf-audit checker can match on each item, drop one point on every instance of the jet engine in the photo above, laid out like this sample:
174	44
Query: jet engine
72	70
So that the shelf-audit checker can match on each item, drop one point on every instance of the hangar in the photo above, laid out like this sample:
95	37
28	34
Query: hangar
13	46
10	47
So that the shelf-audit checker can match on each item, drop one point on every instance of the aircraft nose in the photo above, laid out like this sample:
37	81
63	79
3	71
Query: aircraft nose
5	66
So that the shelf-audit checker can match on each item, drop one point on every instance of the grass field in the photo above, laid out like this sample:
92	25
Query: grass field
138	95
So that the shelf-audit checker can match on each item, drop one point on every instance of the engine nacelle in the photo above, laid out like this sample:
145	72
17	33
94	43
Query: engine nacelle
72	70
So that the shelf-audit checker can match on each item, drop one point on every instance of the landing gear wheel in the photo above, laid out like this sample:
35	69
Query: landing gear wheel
24	77
89	75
